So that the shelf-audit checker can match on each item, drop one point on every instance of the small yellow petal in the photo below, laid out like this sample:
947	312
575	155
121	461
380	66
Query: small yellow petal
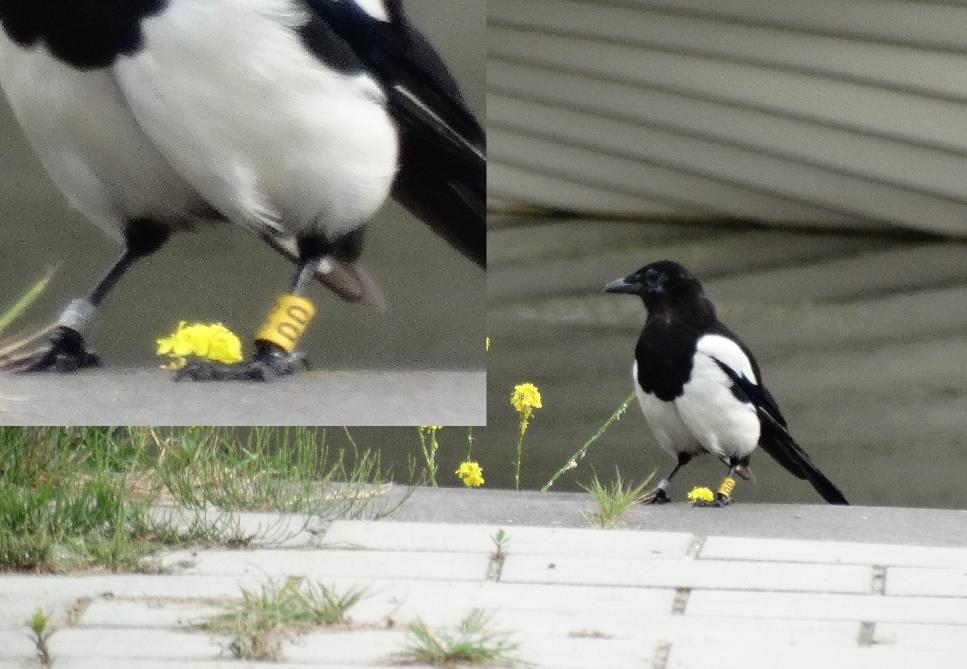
700	494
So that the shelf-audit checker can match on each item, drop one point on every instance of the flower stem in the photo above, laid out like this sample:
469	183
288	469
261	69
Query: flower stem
520	453
581	452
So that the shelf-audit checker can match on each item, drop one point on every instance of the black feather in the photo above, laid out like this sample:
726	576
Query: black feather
443	166
776	440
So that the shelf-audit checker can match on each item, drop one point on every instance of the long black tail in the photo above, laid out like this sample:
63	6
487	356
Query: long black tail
777	442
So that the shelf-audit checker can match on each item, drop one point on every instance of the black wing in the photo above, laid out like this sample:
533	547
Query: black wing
443	166
776	440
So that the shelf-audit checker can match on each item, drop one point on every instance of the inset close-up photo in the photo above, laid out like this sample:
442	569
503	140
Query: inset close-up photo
281	204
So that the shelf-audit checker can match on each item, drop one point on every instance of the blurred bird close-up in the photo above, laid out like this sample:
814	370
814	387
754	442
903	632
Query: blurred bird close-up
294	120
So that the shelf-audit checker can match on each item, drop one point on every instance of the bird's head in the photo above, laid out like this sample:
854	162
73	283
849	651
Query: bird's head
660	284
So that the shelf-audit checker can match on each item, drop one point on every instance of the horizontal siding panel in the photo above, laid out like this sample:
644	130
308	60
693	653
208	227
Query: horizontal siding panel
928	71
854	198
709	197
941	173
796	122
515	184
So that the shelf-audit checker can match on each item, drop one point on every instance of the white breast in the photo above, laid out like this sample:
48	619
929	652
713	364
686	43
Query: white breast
91	146
229	94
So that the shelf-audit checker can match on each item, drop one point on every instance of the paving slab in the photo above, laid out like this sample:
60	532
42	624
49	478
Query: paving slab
140	613
150	397
728	575
921	636
696	657
933	582
403	536
813	606
141	643
329	564
835	552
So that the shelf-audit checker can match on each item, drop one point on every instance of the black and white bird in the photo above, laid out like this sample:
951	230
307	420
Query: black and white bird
293	119
700	388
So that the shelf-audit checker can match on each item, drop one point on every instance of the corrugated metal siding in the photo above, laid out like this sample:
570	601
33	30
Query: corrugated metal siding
843	112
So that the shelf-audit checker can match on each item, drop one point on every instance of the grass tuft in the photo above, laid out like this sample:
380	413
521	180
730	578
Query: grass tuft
87	498
40	628
263	620
613	499
473	644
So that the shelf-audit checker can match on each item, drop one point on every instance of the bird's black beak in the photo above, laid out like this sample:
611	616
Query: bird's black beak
623	286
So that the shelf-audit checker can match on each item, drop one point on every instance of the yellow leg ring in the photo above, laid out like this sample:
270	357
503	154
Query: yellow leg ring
726	487
287	322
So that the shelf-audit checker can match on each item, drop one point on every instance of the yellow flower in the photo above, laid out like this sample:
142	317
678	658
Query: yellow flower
700	494
525	398
487	345
214	342
470	473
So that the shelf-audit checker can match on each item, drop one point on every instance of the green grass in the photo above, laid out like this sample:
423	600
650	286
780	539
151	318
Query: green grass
613	499
89	498
40	628
263	620
14	311
472	644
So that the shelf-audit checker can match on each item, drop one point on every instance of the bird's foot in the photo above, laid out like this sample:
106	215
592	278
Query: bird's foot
268	363
719	501
58	349
656	496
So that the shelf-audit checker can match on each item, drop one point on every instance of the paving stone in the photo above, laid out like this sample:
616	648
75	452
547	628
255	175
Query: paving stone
157	613
686	573
813	606
675	629
522	540
581	653
17	644
142	643
332	563
350	648
447	601
690	656
834	552
931	582
87	663
929	637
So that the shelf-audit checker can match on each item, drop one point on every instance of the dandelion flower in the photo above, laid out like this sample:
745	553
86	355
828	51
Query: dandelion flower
525	398
700	494
213	342
471	473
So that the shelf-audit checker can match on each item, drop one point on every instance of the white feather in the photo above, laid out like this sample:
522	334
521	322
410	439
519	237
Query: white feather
375	8
254	122
86	138
665	422
724	425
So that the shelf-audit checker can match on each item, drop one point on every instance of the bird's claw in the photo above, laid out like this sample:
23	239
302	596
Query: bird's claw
266	365
59	349
656	496
719	501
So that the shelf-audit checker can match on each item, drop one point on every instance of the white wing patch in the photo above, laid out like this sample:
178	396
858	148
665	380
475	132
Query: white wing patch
729	353
374	8
714	415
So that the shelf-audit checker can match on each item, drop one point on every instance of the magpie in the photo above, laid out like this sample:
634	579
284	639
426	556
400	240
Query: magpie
700	387
292	119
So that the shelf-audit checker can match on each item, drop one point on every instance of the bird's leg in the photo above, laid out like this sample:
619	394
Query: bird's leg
723	495
659	495
61	346
276	341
